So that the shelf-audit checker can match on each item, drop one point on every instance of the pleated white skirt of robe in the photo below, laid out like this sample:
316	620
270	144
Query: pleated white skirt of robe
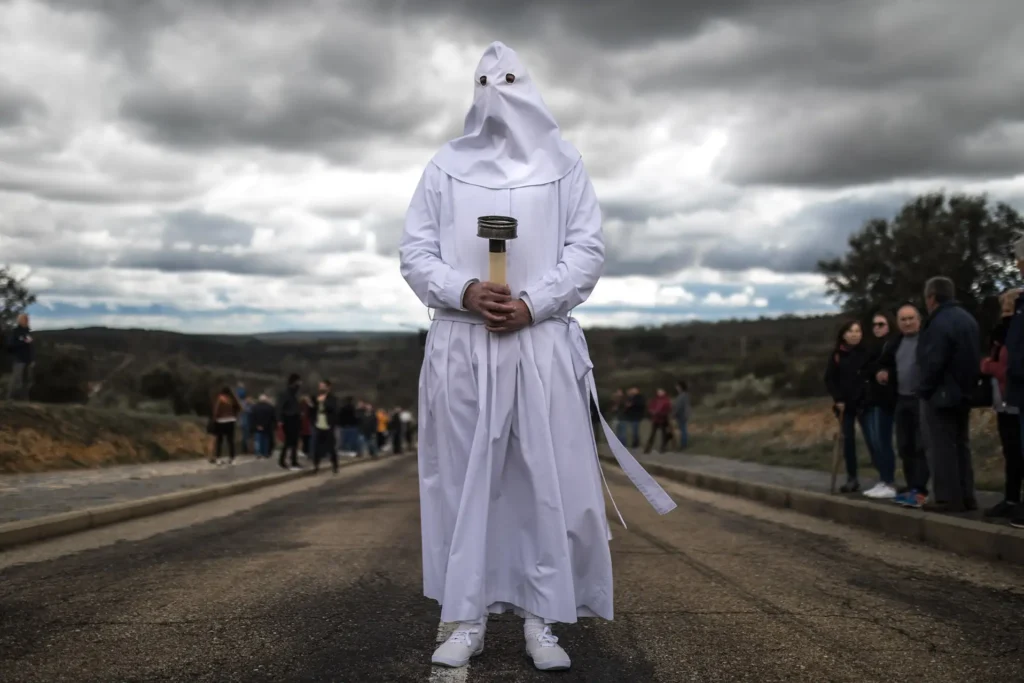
513	513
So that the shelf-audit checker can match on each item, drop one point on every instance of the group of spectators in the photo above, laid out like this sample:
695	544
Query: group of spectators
319	426
669	416
922	382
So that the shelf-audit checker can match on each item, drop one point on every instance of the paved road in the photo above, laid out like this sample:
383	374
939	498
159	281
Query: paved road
29	496
319	580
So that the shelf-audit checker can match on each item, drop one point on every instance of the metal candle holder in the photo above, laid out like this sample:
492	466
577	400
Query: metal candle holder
497	230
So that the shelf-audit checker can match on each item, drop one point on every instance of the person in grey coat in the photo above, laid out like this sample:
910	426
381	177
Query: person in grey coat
949	362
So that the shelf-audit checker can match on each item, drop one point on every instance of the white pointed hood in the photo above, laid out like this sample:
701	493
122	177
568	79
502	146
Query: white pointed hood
510	138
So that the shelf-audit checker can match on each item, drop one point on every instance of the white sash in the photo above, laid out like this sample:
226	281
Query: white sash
643	481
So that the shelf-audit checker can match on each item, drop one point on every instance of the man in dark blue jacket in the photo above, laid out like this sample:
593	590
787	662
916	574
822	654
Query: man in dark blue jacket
1015	364
20	347
948	362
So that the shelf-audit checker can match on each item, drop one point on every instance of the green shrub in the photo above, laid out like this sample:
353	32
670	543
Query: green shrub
762	365
802	382
745	391
61	377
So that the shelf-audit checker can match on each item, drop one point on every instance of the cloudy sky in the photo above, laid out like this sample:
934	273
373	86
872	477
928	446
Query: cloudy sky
244	165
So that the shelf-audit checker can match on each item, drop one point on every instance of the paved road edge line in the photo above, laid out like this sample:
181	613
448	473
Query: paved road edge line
960	536
33	530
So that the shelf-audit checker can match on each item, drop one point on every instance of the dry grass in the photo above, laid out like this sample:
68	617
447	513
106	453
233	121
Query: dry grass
38	438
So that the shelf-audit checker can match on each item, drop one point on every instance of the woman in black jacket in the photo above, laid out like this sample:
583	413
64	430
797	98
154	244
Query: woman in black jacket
845	381
880	410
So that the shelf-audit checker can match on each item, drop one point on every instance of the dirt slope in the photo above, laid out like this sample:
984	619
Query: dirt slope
37	438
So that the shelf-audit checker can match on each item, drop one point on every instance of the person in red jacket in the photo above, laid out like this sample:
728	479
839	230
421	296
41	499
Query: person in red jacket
660	411
1007	416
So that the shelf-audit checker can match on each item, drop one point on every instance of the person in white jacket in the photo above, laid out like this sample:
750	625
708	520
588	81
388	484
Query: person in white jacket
513	516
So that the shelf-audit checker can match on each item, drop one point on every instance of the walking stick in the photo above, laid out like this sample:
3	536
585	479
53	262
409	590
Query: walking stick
835	450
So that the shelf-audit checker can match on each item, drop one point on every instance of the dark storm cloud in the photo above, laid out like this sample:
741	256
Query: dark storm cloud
55	254
303	116
335	95
733	256
829	93
921	146
177	261
809	94
638	212
70	256
631	212
606	23
836	220
818	94
197	228
84	190
17	105
832	99
816	233
649	265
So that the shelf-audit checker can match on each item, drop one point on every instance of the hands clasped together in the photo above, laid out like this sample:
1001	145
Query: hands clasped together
495	303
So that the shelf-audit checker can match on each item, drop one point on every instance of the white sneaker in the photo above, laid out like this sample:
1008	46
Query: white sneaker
547	654
881	491
870	493
465	641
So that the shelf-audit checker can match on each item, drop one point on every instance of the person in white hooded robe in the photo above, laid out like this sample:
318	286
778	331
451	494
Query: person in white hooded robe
513	515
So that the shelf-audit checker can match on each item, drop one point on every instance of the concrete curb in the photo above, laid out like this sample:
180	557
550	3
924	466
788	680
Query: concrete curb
33	530
954	534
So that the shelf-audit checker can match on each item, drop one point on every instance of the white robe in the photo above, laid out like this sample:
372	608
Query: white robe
512	511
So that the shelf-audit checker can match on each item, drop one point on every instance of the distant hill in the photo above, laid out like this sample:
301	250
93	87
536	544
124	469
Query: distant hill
305	337
384	366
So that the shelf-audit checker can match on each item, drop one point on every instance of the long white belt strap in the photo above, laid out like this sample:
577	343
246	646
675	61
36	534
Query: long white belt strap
609	490
643	481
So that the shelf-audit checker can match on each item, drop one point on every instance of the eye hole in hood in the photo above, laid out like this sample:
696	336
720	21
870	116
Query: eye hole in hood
510	78
483	80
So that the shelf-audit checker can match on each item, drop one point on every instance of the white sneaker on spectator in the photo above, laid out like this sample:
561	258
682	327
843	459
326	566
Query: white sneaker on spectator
467	640
543	648
870	493
881	491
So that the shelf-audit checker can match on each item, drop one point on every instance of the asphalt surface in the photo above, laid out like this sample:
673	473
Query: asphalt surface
319	580
30	496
